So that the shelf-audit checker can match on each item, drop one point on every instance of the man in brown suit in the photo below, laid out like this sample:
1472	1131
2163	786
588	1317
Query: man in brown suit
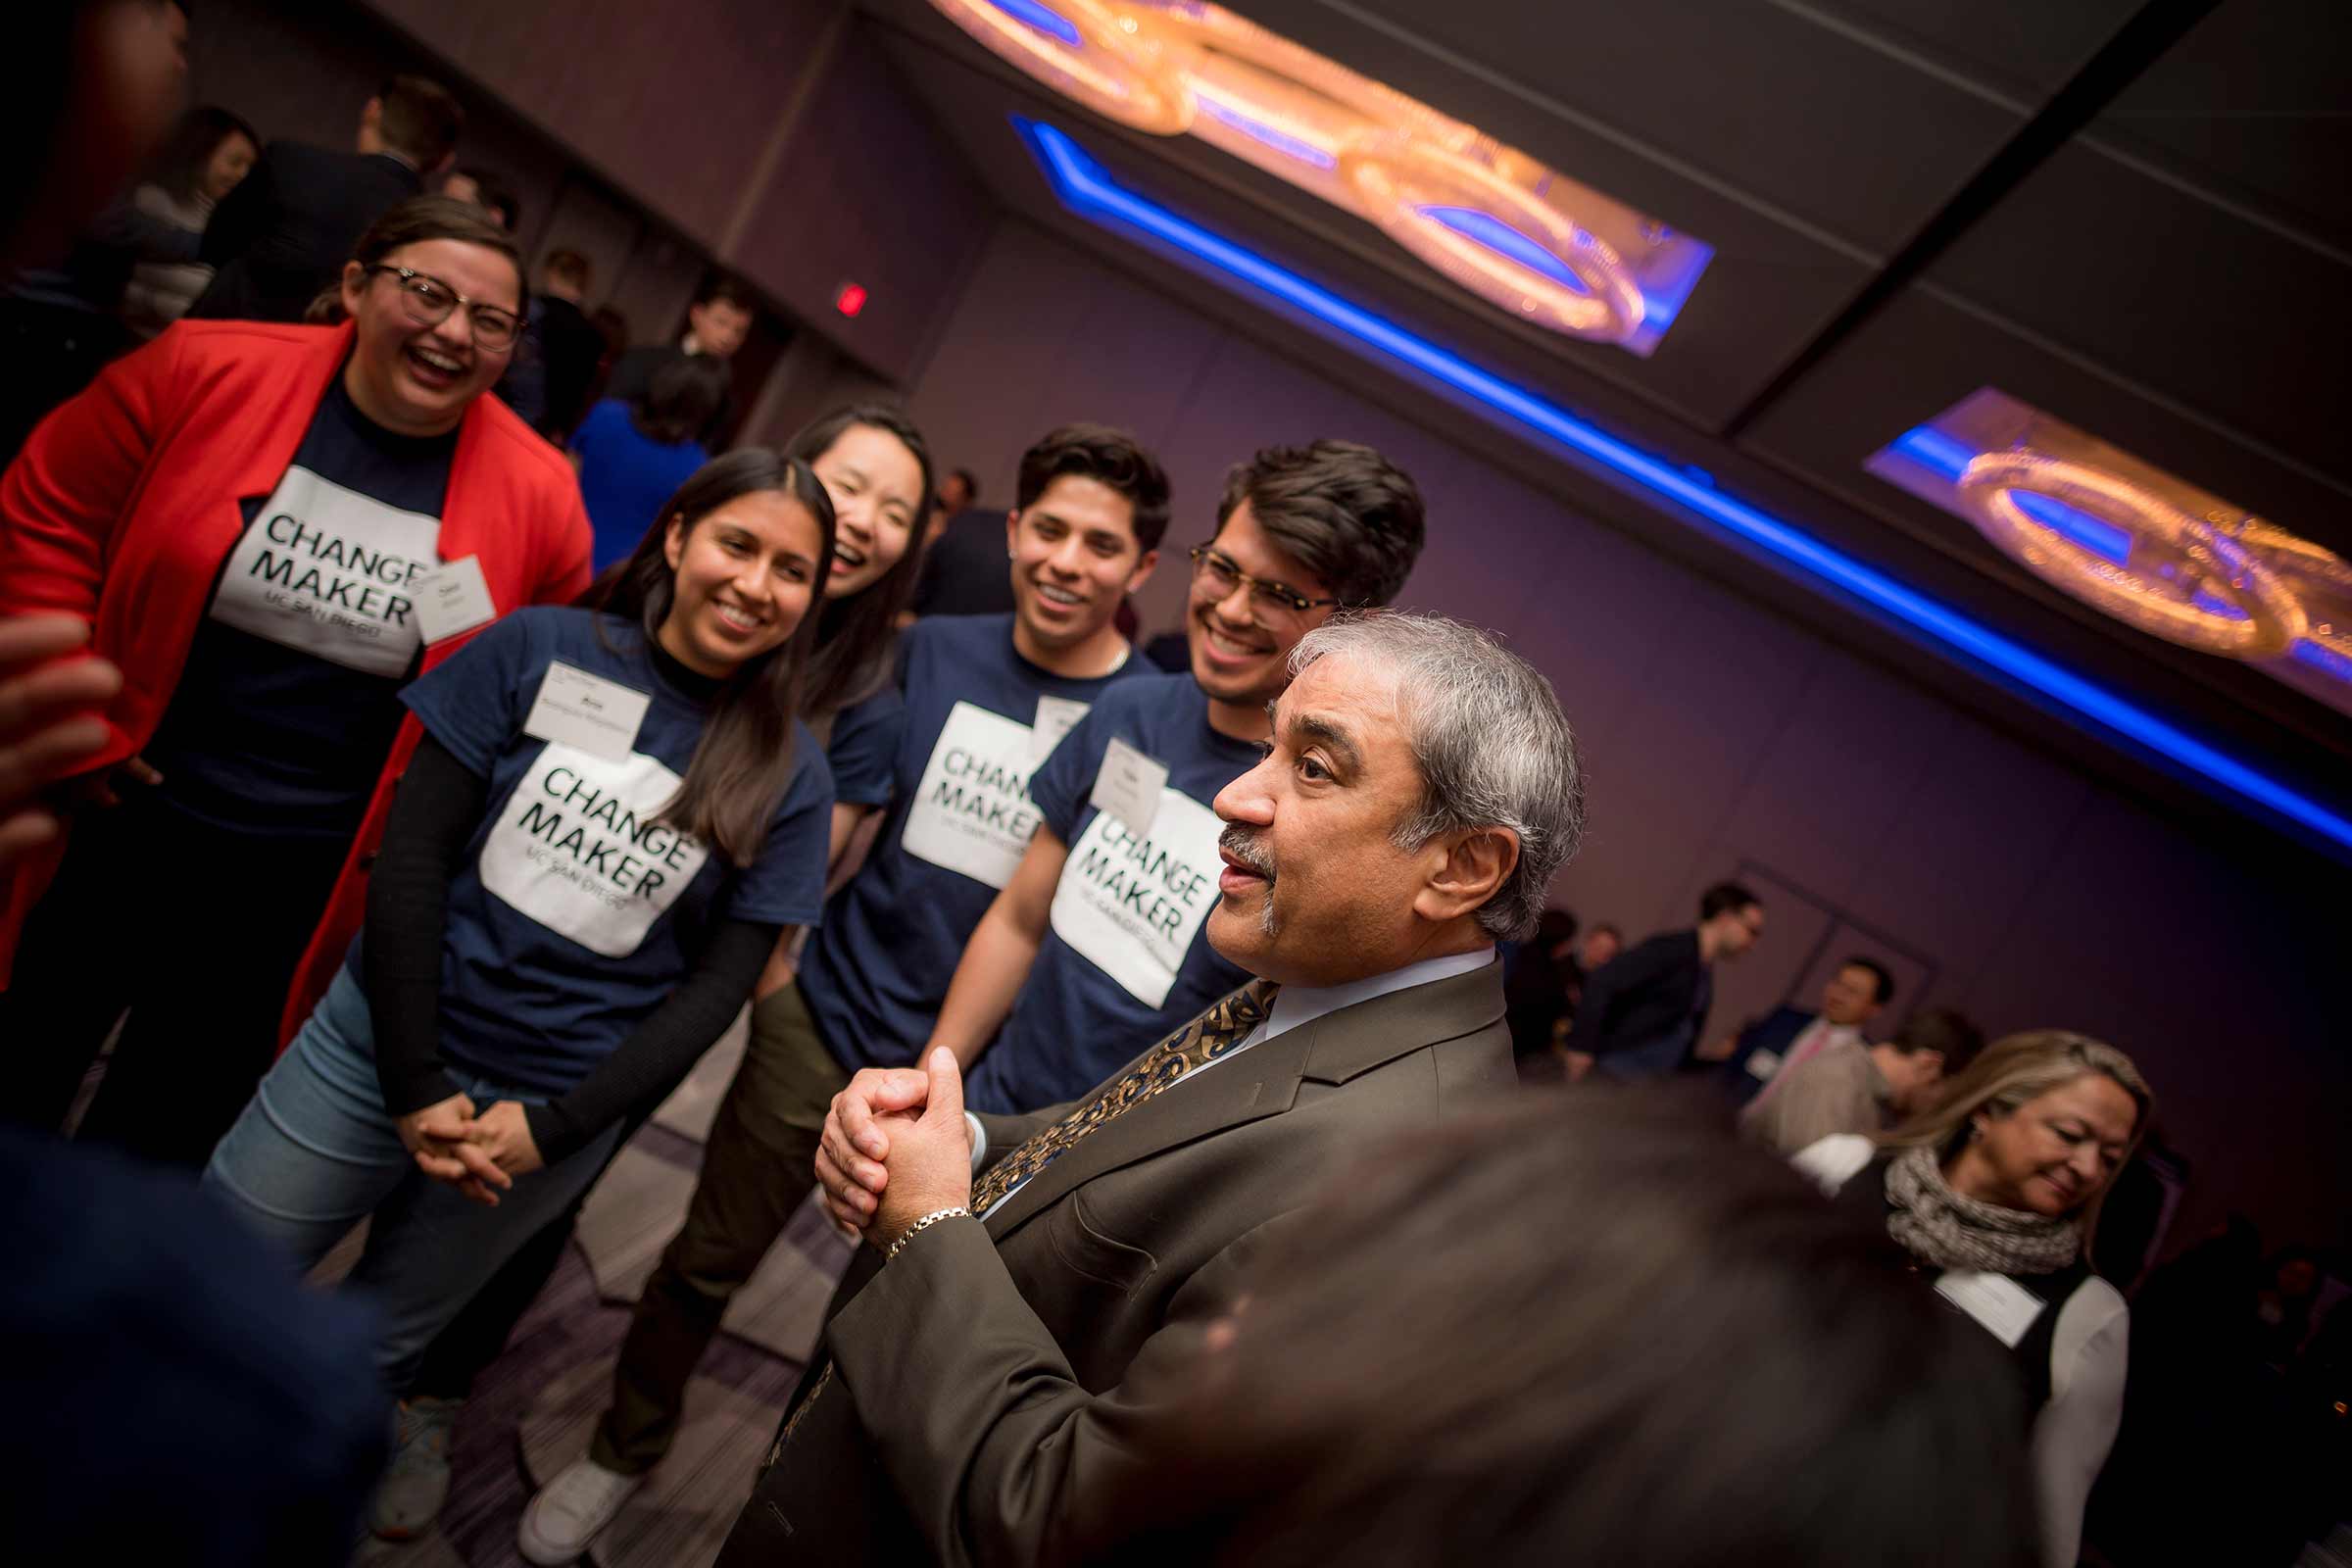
971	1400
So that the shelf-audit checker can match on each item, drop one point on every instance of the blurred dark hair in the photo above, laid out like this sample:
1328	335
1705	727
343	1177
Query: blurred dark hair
179	166
854	635
971	485
419	118
1581	1328
1349	515
1947	1032
1110	457
744	759
718	287
1553	926
1882	983
495	192
1725	896
680	398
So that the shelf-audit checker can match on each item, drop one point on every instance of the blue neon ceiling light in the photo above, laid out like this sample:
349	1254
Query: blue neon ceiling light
1044	18
1087	188
1485	228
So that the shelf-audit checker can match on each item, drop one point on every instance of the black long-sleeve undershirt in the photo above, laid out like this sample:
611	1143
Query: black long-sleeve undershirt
439	804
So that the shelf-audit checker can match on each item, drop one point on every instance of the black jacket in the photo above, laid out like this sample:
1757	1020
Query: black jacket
633	376
1642	996
286	231
965	571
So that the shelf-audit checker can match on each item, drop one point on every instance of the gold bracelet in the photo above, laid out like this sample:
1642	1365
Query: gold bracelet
922	1225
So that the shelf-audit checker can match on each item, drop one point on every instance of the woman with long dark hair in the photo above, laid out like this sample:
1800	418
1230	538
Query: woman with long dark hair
272	531
876	468
209	154
1994	1196
611	818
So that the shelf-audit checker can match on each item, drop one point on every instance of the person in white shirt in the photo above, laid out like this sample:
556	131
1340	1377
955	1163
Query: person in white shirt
1996	1197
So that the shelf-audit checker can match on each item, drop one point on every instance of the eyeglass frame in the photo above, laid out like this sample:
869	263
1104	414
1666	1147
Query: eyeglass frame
1282	593
474	308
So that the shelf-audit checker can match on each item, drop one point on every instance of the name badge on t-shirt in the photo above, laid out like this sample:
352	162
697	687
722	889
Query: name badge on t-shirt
580	709
1128	786
455	599
2003	1306
331	572
1056	717
1762	1064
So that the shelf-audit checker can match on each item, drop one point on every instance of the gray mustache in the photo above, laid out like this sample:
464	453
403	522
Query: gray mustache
1242	843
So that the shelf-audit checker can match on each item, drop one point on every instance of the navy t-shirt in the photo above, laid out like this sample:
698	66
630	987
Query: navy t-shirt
1125	959
291	694
874	974
863	747
574	913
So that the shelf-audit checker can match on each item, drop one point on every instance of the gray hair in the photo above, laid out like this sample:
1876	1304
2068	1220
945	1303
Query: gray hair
1488	737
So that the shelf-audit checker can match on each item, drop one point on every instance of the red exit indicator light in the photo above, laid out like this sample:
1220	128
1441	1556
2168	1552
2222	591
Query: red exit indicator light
849	298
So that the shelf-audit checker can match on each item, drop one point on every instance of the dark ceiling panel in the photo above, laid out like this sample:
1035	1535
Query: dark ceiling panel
2163	288
2257	103
1802	117
2023	49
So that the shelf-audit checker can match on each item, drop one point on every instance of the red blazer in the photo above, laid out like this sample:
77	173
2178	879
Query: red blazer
124	503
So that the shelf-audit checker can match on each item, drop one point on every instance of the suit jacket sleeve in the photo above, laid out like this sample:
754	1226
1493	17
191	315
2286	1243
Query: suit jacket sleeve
999	1453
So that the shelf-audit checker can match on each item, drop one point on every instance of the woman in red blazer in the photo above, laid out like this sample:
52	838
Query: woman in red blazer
271	530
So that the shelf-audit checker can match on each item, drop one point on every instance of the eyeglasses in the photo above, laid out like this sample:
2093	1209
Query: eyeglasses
1215	571
429	302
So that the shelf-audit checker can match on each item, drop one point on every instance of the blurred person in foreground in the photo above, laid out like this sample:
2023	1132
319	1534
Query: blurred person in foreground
196	1407
1996	1197
1024	1274
1690	1360
1853	1087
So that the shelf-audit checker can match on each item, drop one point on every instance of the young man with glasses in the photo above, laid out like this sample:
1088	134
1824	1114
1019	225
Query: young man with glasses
1094	947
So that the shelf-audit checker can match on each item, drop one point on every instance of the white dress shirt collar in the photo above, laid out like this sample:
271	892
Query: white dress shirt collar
1297	1005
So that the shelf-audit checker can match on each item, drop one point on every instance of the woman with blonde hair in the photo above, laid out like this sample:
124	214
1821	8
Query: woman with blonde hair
1996	1195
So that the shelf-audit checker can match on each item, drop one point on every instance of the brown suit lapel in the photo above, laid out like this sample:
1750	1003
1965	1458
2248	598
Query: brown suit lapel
1263	1081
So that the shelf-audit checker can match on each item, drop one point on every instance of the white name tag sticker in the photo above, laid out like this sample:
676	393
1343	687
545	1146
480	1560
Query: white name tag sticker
454	600
1762	1064
1131	904
971	813
1128	787
2004	1307
1056	717
587	712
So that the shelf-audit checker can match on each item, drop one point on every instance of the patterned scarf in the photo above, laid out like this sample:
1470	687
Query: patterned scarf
1940	1226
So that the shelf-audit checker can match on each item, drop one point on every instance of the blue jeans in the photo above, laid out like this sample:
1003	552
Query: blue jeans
315	1152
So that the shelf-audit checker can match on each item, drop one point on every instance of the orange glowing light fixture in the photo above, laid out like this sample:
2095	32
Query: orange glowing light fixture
1519	234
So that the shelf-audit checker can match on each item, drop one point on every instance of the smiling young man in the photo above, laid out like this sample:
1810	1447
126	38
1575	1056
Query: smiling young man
1096	944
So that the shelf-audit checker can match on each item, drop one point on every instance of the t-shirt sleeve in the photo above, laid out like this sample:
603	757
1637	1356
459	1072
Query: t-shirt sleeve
786	884
475	703
865	746
1066	779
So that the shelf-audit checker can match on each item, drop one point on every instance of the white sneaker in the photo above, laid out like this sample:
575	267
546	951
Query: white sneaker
570	1510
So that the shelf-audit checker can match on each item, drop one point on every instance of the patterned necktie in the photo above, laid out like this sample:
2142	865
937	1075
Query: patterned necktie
1203	1040
1215	1032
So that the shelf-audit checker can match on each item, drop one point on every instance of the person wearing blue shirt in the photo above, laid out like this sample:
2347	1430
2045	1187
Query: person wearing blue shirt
632	455
610	819
983	699
1095	947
